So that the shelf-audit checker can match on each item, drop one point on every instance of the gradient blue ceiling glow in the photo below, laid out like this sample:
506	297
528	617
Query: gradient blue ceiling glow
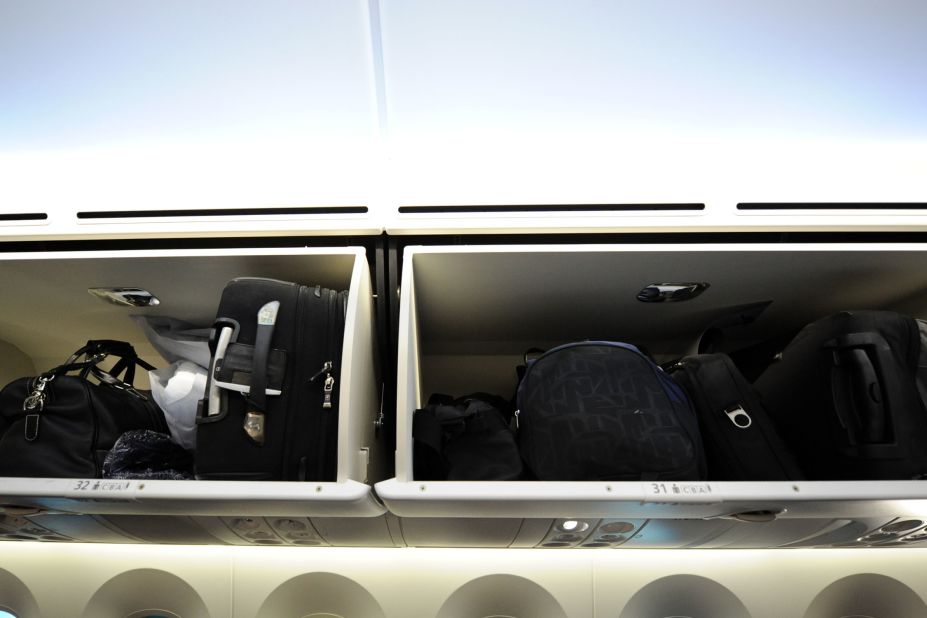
850	68
102	72
98	72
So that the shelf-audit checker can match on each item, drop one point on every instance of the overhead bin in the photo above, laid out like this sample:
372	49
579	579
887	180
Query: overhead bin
469	313
47	313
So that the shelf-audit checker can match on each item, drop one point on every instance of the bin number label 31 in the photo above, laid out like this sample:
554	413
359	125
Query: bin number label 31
679	489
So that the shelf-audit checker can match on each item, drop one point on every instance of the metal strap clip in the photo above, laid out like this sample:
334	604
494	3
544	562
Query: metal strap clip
738	416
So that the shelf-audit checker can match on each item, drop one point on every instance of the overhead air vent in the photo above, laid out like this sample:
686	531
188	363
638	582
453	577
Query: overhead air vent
127	297
671	292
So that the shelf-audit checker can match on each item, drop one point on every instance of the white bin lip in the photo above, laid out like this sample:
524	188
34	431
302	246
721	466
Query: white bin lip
647	499
56	226
191	498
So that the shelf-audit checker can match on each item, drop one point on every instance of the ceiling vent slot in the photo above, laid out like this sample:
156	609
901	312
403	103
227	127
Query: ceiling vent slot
539	208
23	216
221	212
832	206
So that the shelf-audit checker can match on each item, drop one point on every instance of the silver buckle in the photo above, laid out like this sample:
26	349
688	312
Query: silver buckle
739	416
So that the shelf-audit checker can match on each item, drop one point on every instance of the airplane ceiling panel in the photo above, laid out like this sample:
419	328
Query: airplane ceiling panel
152	105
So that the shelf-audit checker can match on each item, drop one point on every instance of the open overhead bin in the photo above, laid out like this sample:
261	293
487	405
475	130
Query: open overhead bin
468	314
47	313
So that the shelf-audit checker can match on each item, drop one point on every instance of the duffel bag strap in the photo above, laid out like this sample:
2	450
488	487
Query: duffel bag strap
97	350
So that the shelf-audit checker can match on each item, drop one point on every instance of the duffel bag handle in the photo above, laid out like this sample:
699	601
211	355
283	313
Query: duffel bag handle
97	350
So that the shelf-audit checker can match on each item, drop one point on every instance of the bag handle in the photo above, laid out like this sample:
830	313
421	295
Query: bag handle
97	350
859	360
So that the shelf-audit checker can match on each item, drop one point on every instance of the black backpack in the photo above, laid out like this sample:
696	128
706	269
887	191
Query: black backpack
601	410
741	442
846	396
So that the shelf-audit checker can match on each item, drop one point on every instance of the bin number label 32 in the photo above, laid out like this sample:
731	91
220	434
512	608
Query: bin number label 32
102	485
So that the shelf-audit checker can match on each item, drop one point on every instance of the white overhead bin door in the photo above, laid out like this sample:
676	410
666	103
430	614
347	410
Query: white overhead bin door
633	104
172	118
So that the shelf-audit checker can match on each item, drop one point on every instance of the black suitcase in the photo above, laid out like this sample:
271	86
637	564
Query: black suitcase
741	442
602	410
845	396
271	405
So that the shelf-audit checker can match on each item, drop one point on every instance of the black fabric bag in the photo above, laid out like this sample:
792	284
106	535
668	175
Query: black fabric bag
60	425
146	454
271	406
845	396
465	439
741	442
601	410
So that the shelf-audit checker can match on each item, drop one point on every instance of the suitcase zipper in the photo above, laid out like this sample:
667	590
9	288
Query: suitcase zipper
328	386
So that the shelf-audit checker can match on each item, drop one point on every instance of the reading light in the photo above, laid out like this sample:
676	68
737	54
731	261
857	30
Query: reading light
127	297
573	525
670	292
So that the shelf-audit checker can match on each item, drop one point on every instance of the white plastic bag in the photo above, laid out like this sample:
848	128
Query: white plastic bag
176	340
176	389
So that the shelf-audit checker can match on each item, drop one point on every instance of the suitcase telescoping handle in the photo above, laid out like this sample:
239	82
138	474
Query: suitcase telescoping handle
257	395
861	395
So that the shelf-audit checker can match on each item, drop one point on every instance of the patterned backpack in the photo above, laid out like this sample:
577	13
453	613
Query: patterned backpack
601	410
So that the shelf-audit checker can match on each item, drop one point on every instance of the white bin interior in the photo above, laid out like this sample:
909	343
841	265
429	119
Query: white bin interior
468	313
47	313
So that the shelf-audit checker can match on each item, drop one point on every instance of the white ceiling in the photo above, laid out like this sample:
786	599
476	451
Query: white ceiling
109	105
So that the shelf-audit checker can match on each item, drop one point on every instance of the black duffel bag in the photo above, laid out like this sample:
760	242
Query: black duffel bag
465	439
60	425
